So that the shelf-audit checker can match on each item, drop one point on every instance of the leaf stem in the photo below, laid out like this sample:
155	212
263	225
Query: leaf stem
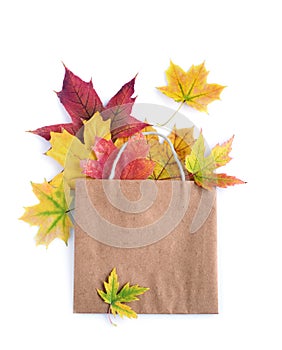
67	211
109	316
173	115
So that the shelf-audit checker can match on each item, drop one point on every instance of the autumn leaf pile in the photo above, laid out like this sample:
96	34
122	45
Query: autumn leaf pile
87	146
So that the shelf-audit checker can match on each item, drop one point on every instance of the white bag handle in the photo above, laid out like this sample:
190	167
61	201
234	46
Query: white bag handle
182	174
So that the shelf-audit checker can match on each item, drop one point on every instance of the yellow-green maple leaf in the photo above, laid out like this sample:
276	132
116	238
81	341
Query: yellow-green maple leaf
219	155
116	299
202	167
191	86
68	150
51	214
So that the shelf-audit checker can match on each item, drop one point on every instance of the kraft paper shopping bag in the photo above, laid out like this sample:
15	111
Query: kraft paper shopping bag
158	234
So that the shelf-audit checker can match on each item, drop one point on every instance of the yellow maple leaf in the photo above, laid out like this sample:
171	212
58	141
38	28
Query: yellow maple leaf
51	214
96	127
68	150
182	140
160	152
116	299
191	86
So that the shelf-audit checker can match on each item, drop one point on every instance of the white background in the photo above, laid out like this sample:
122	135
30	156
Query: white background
111	41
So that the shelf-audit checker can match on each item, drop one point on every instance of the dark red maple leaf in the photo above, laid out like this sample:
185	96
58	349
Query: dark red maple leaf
124	95
119	109
81	101
79	97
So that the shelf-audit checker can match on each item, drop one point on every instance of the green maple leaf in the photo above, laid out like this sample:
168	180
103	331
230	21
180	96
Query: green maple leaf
116	299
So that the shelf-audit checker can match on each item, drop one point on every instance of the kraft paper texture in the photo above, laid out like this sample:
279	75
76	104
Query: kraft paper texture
170	246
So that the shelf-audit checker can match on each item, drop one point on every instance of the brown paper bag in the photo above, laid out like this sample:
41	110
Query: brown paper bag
158	234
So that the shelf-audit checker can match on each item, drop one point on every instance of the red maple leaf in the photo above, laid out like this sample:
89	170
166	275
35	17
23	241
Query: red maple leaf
81	101
131	165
